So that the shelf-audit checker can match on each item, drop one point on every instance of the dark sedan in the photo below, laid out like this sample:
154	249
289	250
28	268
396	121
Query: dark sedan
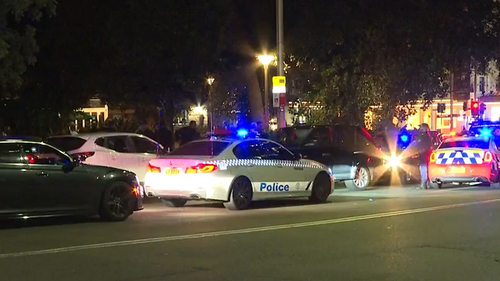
38	180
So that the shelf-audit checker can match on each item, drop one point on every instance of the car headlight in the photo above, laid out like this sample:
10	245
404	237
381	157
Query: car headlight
394	161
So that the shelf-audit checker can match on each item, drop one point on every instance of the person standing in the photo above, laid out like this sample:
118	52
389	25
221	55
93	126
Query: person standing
423	142
165	136
187	134
146	131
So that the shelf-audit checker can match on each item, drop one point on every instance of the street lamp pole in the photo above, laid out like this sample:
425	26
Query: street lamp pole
281	72
266	60
210	82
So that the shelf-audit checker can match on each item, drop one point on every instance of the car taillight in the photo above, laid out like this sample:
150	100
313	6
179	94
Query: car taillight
201	169
433	157
82	156
488	157
153	169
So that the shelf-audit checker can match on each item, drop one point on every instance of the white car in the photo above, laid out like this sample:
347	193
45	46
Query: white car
126	151
236	172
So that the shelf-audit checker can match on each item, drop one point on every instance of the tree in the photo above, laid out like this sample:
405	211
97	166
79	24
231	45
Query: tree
389	54
18	46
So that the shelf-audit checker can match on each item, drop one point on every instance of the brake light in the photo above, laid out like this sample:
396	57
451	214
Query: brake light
488	157
82	156
153	169
201	169
433	157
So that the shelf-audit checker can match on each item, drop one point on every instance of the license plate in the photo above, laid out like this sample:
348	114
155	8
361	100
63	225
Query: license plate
172	171
457	170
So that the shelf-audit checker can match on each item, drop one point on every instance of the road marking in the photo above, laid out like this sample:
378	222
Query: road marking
239	231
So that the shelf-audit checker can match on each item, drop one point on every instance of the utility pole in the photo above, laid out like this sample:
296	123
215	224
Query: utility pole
279	40
452	89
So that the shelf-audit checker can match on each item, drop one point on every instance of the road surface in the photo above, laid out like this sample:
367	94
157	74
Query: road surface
386	234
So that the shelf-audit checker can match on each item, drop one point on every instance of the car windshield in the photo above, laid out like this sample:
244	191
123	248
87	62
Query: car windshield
292	136
66	143
483	144
202	148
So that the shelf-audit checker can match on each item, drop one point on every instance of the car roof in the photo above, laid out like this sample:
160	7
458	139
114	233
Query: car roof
97	135
466	139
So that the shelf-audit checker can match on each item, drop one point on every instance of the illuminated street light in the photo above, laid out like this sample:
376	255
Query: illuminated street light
210	80
265	60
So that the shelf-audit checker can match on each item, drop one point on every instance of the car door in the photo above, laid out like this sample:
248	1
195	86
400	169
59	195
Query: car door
122	153
16	196
289	175
145	149
56	182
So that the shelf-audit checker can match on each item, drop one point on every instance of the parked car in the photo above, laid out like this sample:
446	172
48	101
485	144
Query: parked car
126	151
349	151
38	180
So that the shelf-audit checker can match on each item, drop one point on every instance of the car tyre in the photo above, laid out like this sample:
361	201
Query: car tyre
175	202
434	185
361	180
322	188
117	202
241	195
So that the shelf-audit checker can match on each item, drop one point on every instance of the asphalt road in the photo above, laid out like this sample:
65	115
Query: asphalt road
386	234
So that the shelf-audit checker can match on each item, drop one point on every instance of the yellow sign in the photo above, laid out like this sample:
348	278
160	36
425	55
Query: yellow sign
279	84
279	81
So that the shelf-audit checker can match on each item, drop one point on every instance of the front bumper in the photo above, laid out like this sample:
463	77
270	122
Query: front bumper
138	205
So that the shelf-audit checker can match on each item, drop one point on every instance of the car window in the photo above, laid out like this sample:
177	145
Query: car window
44	155
483	144
292	136
66	143
202	148
319	137
10	153
248	150
119	144
144	145
274	151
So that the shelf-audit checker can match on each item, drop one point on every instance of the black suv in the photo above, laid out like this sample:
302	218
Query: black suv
350	151
38	180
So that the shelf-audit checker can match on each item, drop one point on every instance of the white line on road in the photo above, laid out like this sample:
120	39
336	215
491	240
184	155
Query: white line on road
238	231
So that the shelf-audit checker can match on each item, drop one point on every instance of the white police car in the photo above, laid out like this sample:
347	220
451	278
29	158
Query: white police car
236	172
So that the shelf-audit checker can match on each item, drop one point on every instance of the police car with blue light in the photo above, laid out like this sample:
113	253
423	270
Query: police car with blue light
236	171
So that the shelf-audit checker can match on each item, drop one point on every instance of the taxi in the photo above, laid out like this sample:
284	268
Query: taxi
464	160
236	172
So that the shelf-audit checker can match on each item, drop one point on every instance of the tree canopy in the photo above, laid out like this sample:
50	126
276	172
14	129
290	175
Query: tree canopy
387	53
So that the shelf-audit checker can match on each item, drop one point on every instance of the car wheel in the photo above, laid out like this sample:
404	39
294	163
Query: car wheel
361	180
117	202
241	195
434	185
175	203
322	187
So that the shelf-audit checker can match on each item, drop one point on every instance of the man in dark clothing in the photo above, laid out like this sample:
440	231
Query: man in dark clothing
146	131
423	142
165	137
187	134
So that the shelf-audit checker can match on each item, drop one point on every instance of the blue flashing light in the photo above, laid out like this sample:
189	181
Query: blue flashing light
404	138
485	132
242	133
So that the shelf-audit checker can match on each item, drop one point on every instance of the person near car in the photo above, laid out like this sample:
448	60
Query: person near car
187	134
165	136
146	131
423	142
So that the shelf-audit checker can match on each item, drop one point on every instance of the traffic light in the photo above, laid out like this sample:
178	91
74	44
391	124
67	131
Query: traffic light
482	108
466	105
474	108
441	107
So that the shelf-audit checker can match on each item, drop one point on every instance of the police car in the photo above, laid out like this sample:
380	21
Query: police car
471	160
236	172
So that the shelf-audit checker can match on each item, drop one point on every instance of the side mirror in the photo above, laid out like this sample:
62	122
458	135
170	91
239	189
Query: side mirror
69	166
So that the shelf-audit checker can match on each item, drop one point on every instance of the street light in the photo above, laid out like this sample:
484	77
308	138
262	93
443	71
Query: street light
266	60
210	81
